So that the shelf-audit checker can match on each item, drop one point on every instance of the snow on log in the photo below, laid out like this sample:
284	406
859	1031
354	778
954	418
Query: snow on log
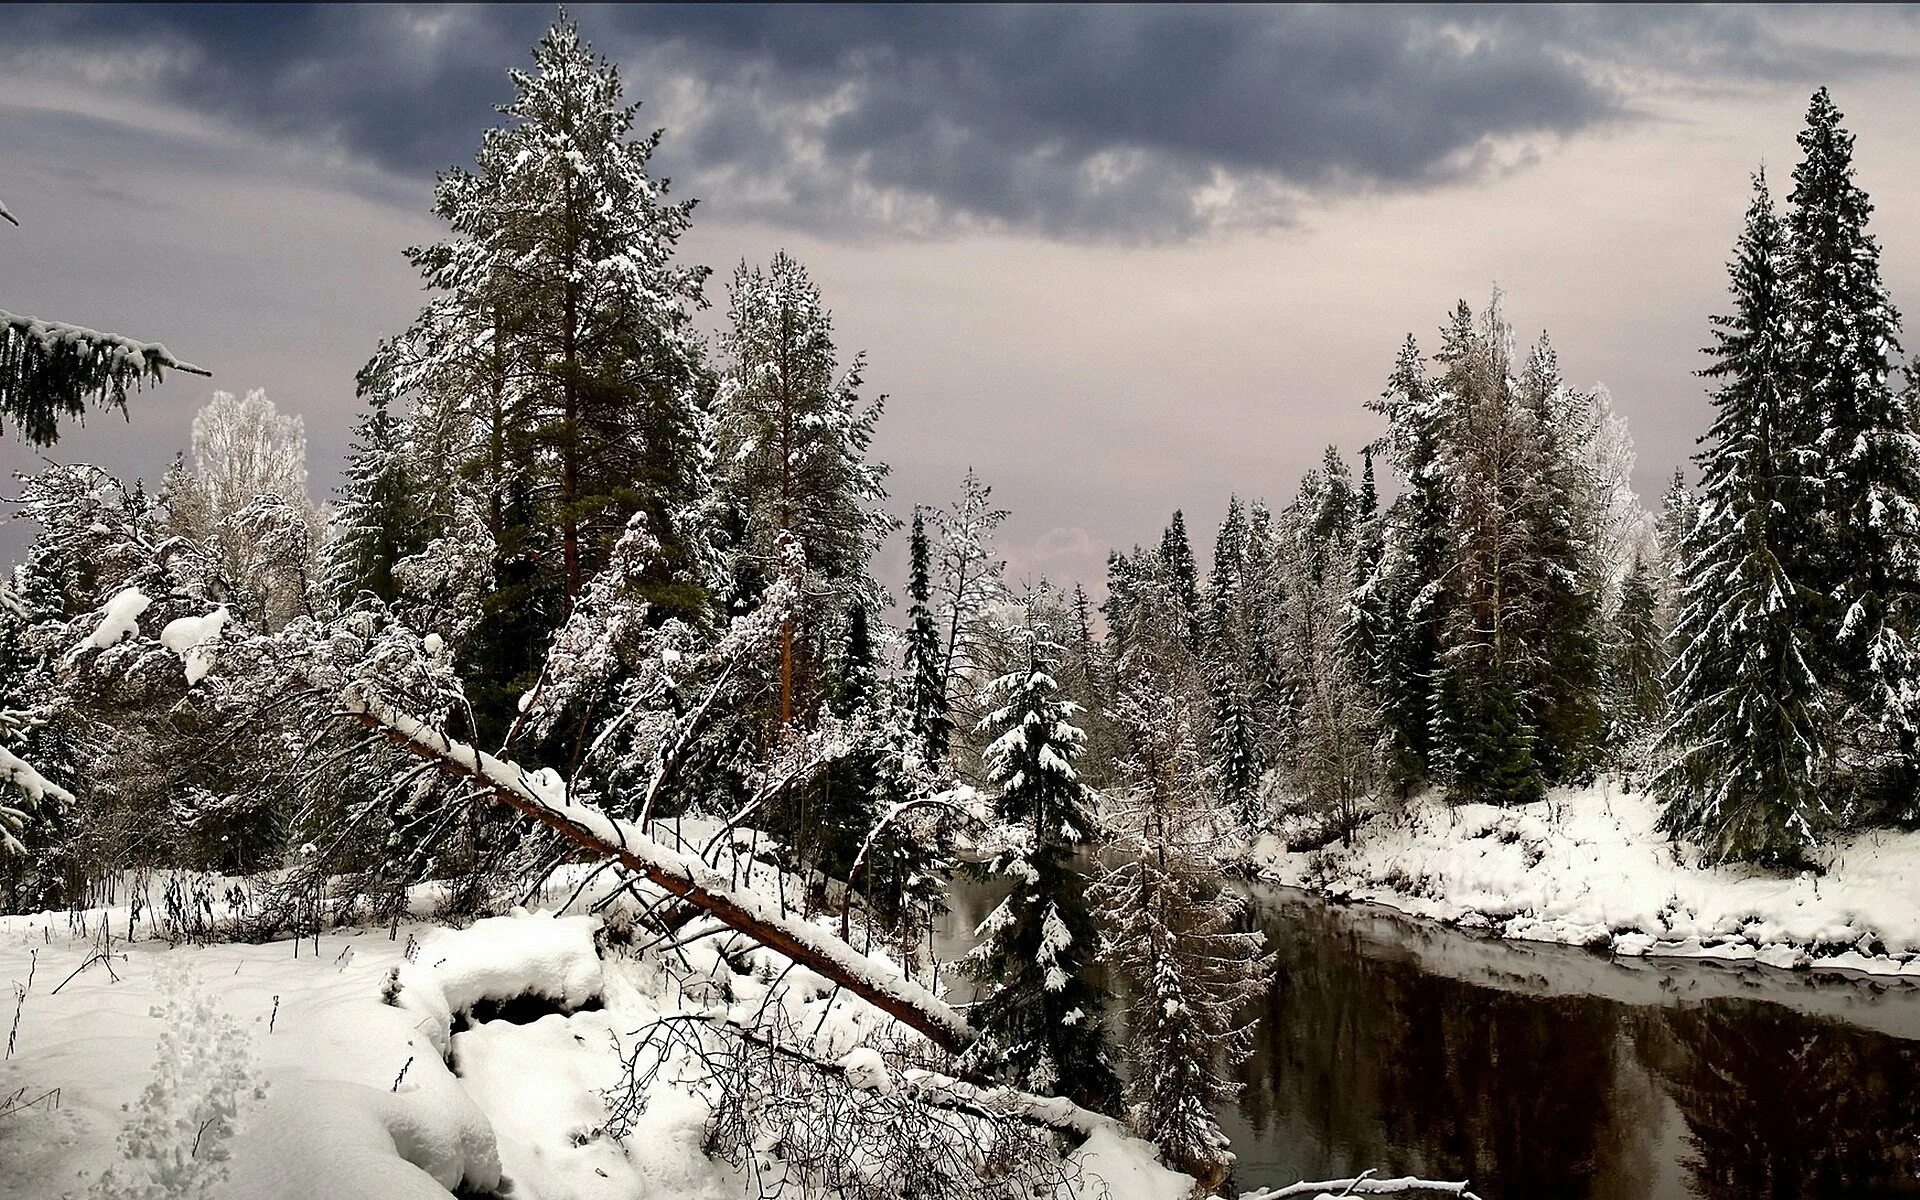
681	875
1363	1185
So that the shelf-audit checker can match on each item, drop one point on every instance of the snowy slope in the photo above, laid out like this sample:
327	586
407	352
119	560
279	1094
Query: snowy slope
1588	867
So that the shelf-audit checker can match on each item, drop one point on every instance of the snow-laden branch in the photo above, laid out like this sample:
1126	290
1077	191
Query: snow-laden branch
863	1070
681	875
145	357
1363	1185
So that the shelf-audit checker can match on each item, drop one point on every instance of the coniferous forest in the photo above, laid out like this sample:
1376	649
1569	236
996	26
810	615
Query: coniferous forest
578	760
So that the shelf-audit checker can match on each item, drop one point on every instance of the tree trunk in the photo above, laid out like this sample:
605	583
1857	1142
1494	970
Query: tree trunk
689	879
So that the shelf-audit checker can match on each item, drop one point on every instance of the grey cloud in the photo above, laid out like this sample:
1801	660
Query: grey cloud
1143	123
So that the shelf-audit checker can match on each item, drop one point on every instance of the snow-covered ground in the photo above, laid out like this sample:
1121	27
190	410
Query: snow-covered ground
352	1070
1588	867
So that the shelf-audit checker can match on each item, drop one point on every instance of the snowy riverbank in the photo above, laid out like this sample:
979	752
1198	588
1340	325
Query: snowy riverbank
1587	867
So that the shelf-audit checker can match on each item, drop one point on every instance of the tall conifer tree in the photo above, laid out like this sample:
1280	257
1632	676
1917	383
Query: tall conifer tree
1748	749
1039	1011
1867	537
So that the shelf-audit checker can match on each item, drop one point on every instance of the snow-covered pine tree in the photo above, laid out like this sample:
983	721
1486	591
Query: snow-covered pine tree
556	373
1039	1011
1866	556
926	679
576	241
1749	748
791	436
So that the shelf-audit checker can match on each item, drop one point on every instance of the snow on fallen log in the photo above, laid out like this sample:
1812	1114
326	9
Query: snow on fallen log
1363	1185
681	875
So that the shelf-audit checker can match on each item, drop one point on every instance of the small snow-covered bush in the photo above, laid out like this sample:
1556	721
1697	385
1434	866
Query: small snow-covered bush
174	1142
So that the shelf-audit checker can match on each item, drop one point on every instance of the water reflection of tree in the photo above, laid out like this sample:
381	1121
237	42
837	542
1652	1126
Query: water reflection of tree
1381	1064
1781	1105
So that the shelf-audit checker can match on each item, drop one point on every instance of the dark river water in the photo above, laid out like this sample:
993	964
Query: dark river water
1545	1072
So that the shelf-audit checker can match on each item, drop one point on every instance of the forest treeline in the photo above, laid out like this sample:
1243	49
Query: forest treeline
580	534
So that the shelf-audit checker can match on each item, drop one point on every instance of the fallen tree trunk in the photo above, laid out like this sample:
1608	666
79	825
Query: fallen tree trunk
679	874
1363	1185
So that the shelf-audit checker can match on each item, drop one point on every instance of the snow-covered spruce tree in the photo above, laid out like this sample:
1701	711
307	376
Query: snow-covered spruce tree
1039	1013
1637	659
1866	552
1367	621
1087	671
1176	551
1678	513
925	678
50	372
1748	751
1171	926
880	829
791	434
1410	581
1233	640
1570	509
376	524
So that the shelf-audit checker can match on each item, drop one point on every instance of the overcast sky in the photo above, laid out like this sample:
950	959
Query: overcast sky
1121	260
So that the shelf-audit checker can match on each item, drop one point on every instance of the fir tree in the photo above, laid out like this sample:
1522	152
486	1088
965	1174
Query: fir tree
1234	764
1678	513
1410	580
1749	747
375	523
1039	1010
1369	622
1638	659
1177	552
926	682
1866	556
849	801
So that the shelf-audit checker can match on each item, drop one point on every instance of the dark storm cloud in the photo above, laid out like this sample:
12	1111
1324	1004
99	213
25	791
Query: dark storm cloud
1138	122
